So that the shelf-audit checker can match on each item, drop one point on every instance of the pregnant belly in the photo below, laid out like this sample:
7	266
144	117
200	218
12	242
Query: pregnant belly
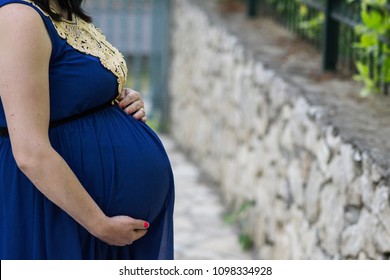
120	162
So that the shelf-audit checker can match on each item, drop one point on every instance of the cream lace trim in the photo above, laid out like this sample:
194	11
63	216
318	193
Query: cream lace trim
88	39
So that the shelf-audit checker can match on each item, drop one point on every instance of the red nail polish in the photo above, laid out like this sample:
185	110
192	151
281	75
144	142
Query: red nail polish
146	225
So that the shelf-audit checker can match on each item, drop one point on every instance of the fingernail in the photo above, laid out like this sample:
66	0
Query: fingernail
146	224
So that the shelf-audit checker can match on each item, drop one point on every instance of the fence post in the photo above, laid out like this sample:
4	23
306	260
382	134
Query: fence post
331	38
159	62
165	102
251	8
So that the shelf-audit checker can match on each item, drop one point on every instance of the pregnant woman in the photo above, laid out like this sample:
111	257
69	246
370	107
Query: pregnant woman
79	178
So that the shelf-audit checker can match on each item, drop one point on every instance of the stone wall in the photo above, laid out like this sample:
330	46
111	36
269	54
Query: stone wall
266	134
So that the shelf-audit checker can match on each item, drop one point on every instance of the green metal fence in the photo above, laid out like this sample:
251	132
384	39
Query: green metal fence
140	30
331	26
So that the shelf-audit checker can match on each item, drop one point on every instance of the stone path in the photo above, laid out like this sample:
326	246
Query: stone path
200	232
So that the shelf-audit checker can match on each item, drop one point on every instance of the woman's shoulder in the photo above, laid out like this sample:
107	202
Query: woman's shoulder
28	21
15	14
22	8
21	26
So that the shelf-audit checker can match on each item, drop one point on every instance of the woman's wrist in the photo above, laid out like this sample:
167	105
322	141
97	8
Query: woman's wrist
99	226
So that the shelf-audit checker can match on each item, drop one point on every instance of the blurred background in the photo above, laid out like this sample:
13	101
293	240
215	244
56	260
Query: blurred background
274	114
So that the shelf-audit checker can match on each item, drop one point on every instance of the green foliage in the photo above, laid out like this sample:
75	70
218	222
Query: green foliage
375	25
246	242
311	25
373	59
280	6
236	217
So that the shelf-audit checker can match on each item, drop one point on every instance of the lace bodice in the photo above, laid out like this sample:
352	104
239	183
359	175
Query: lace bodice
88	39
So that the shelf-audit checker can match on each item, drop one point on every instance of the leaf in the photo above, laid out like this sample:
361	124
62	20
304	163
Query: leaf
233	217
373	19
362	69
365	92
360	29
368	40
364	72
246	242
303	10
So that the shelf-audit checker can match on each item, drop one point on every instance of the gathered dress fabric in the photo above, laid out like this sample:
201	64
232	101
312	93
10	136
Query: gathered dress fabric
119	160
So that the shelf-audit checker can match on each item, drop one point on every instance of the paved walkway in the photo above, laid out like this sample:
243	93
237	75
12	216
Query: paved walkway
200	232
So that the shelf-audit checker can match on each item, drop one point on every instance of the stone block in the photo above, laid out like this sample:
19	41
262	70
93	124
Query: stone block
381	207
323	154
370	169
312	193
296	182
347	153
331	220
333	140
354	194
262	76
280	93
366	189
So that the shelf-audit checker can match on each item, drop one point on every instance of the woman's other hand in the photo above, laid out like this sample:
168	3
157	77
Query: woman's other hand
131	102
121	230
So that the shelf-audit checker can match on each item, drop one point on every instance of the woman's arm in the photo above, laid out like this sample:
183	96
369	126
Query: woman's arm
25	49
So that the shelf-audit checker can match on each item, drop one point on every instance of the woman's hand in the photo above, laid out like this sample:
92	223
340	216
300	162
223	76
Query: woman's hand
131	102
122	230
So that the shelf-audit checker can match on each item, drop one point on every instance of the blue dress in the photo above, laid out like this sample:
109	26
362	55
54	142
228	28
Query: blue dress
120	161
